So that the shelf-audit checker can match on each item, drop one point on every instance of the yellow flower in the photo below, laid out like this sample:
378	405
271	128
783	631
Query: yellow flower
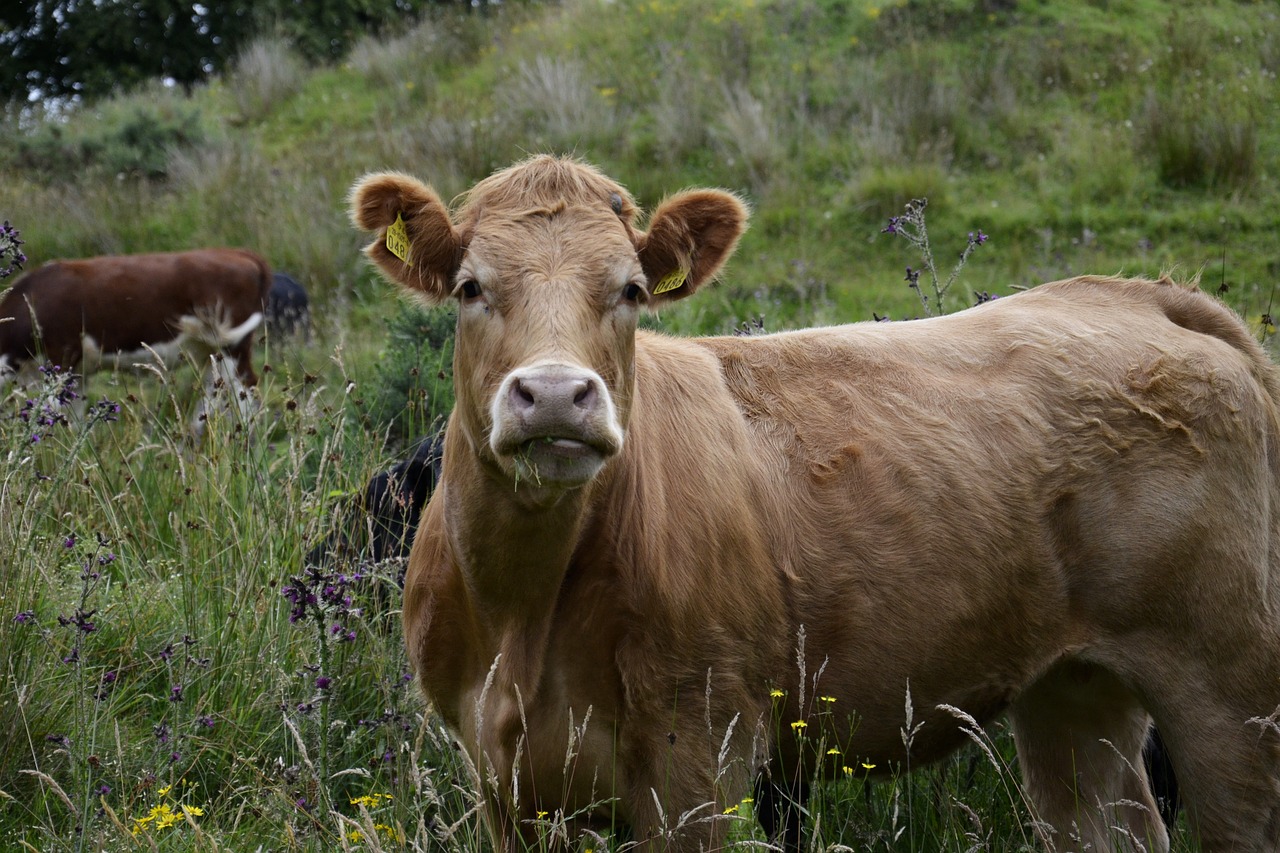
194	811
747	800
731	810
827	699
541	815
776	693
799	725
848	771
833	751
354	836
867	766
165	790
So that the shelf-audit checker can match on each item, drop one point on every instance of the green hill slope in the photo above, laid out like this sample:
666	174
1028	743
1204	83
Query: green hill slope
1131	135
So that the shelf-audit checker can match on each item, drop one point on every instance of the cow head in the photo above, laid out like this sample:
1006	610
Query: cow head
550	275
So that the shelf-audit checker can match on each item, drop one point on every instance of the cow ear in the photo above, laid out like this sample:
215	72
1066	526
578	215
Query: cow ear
417	246
690	236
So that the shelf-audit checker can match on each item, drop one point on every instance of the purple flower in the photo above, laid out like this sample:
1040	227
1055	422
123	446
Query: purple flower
60	740
109	677
323	682
977	239
25	616
175	693
103	790
175	757
167	652
161	731
69	542
205	720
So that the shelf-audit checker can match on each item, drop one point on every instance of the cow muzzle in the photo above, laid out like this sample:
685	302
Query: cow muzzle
555	424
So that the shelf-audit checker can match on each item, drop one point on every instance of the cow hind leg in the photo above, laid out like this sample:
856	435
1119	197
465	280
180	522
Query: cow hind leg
1080	734
1226	753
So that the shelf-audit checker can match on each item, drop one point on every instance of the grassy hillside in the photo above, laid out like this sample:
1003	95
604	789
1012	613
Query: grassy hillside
1109	136
153	650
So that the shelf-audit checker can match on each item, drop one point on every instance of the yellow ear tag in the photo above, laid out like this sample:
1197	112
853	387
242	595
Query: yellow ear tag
670	281
398	240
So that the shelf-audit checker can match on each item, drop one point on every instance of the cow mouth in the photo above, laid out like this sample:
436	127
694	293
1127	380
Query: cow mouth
558	460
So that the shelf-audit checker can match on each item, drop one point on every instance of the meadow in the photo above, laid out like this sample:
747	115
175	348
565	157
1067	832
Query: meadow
173	677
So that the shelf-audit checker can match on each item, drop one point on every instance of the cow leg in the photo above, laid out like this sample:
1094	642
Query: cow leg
1079	733
781	810
1226	753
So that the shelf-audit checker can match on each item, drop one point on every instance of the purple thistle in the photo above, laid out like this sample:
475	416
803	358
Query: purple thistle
323	682
25	617
161	731
175	693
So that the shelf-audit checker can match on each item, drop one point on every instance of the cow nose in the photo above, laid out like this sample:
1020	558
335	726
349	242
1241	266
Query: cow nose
553	394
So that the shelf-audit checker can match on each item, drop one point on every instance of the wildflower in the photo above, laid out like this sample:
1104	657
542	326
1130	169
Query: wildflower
161	732
205	721
60	740
323	682
103	790
25	616
799	725
541	815
868	766
833	751
175	693
978	238
731	810
827	699
848	771
775	693
69	542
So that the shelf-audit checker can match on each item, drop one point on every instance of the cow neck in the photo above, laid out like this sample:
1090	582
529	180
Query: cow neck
514	559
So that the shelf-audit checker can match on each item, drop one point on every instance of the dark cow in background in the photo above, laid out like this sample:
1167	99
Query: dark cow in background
288	308
127	310
381	524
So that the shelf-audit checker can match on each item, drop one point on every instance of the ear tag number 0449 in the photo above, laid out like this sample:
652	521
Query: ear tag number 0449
670	281
398	240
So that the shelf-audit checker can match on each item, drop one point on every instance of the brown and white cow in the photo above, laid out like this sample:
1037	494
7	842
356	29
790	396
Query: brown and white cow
1063	505
122	310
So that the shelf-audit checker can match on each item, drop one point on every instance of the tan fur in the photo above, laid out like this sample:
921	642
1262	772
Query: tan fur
1061	505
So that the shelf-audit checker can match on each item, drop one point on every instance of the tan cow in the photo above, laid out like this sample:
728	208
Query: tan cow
1062	505
122	310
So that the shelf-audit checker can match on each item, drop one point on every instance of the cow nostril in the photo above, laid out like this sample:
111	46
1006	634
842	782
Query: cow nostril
521	396
585	398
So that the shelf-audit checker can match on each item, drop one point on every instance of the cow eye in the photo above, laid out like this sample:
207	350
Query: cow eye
469	289
632	292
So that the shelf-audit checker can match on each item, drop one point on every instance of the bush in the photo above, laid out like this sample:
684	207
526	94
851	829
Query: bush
130	137
413	387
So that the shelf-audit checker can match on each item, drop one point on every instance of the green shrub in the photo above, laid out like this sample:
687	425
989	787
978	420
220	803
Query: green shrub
413	386
131	137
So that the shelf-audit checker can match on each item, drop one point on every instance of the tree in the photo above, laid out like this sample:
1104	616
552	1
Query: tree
89	48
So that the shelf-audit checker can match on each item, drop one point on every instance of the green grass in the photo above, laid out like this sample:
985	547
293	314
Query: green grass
1068	132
